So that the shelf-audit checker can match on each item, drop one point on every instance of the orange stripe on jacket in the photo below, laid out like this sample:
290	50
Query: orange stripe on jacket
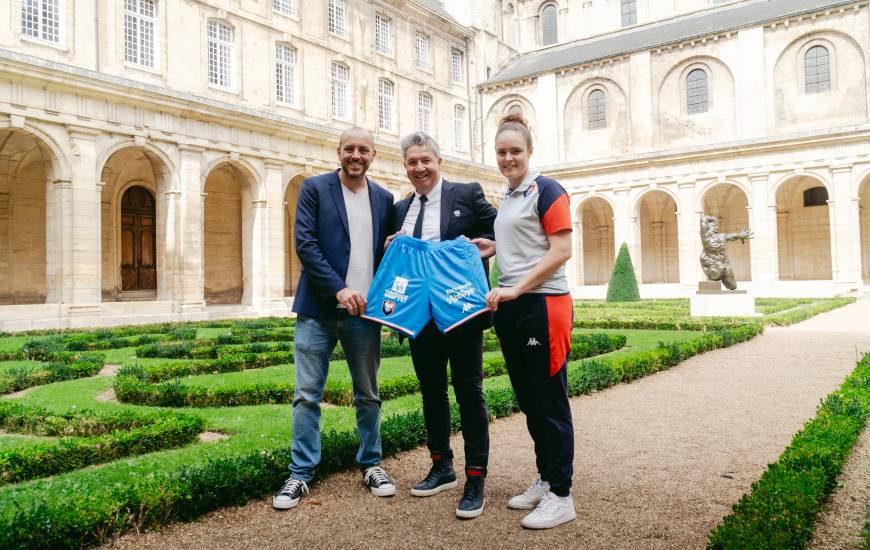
558	216
560	315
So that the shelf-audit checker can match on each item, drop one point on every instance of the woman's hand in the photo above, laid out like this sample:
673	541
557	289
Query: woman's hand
502	294
485	246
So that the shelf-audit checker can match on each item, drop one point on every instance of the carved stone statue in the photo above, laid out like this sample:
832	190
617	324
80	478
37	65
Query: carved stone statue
714	258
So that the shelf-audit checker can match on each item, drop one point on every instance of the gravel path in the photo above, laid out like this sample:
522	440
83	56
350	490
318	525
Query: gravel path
658	462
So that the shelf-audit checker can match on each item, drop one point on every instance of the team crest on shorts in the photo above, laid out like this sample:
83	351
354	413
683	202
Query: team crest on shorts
388	307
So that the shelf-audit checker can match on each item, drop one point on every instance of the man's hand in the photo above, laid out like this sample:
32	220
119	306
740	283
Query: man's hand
391	237
352	300
486	247
500	294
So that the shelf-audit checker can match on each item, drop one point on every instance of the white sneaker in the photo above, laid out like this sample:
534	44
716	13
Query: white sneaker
289	494
553	510
376	479
532	496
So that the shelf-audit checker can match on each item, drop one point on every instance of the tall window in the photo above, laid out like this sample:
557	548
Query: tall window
456	66
285	73
139	32
596	112
696	92
340	97
817	70
41	19
459	127
385	105
424	112
629	12
284	7
549	34
421	50
383	35
220	54
338	17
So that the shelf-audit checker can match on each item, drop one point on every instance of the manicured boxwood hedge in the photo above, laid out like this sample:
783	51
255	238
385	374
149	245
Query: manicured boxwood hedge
88	438
66	366
796	315
140	385
781	508
147	502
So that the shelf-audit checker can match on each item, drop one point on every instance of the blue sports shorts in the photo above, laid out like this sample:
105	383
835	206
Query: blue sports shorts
422	280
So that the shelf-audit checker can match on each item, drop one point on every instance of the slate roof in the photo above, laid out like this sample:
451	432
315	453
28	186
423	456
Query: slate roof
659	34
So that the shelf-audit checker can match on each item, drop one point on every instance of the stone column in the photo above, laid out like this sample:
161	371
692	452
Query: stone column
688	235
189	245
623	224
273	236
258	257
5	241
83	281
845	231
575	266
58	232
763	248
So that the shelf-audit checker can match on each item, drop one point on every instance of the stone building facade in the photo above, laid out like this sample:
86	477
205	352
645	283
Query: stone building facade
756	112
151	151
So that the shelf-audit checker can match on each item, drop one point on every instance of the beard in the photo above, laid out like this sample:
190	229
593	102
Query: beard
352	170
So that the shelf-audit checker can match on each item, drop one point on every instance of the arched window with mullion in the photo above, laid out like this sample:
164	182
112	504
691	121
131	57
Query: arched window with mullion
697	99
549	24
817	70
596	110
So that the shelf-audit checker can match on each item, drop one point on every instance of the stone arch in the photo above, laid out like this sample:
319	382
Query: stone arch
123	166
29	217
230	201
864	224
730	203
675	124
496	112
803	232
846	100
581	141
595	247
292	265
656	212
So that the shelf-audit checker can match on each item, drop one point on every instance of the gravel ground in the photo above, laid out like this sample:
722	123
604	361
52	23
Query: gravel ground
658	462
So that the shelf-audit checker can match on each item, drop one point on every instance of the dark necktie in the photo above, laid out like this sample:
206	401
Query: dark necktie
418	225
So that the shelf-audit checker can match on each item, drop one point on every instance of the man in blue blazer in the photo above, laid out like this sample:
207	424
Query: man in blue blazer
342	221
439	210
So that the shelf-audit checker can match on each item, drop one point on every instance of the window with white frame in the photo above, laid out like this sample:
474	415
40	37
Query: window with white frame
459	127
40	19
549	24
284	7
424	112
139	32
596	112
696	92
338	17
220	54
383	35
385	105
817	70
285	74
421	51
340	96
629	12
456	66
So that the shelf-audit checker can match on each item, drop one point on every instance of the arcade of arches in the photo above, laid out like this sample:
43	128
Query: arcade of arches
659	260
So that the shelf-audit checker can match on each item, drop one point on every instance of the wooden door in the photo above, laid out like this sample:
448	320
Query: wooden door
138	240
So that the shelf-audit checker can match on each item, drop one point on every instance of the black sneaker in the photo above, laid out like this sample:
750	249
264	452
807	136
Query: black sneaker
288	496
472	501
440	477
379	482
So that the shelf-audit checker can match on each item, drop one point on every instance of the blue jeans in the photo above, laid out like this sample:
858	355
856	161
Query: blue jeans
313	345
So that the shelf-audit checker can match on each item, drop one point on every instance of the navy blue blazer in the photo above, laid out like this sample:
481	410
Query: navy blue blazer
323	241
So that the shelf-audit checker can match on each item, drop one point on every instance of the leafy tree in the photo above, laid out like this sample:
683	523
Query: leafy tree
623	282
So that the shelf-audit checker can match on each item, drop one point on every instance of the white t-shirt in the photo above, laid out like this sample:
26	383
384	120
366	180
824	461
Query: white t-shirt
431	215
360	268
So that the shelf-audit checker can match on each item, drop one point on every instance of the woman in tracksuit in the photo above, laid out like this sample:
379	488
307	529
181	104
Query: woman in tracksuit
533	318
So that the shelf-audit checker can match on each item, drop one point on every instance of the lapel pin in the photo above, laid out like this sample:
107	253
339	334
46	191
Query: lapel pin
456	213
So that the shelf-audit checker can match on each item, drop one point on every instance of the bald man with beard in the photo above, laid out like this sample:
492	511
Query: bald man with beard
342	221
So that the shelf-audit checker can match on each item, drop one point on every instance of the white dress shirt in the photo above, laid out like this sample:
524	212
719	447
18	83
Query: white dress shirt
431	215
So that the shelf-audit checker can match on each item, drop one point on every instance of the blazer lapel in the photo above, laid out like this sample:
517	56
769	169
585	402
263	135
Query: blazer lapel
401	211
338	197
446	208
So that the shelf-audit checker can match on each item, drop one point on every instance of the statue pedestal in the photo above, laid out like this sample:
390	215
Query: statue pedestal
711	301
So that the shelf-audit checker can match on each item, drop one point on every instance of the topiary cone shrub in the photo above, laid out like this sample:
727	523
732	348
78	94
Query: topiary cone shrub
623	283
